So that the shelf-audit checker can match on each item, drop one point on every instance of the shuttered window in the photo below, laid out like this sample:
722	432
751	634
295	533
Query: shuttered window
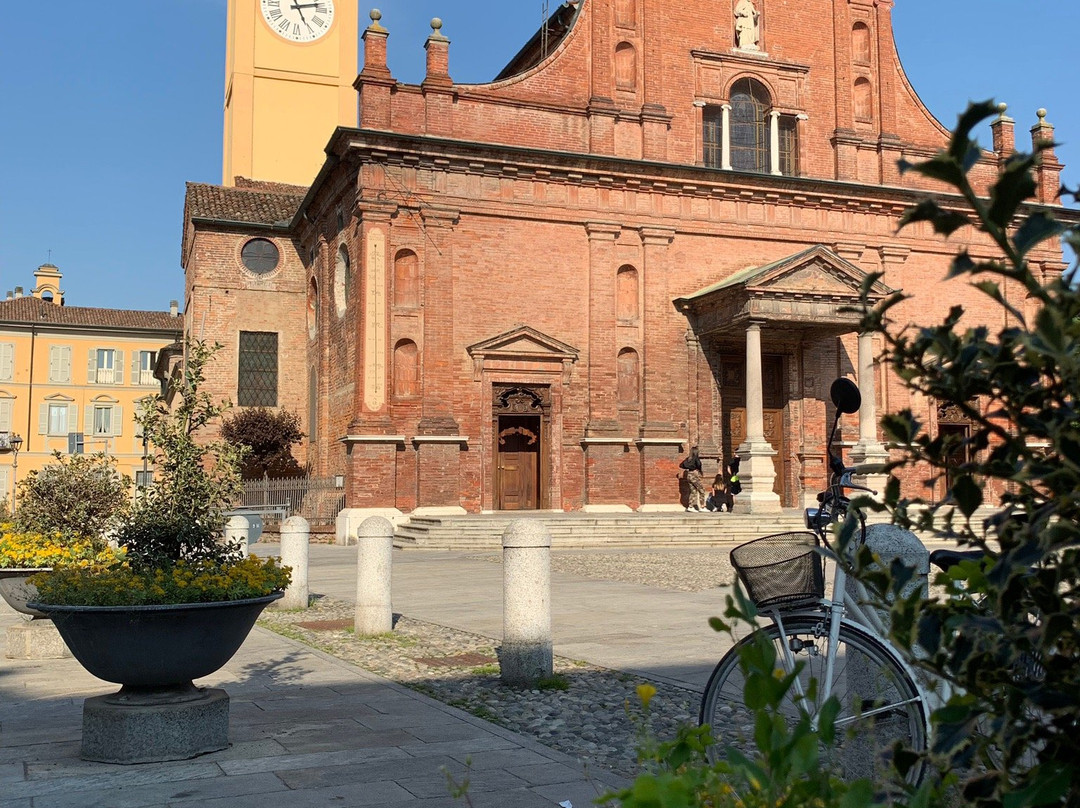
60	364
7	361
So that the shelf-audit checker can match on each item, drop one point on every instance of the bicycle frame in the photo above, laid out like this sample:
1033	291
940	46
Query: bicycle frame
835	506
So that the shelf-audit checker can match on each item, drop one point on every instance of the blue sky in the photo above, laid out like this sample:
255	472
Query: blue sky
108	109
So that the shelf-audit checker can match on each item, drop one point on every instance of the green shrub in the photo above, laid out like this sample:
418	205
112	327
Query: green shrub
1008	635
182	515
75	496
789	769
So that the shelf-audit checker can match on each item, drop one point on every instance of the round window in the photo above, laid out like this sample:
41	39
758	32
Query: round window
260	256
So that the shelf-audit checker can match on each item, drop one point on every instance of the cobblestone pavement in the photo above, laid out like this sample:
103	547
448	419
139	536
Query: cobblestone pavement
597	717
585	711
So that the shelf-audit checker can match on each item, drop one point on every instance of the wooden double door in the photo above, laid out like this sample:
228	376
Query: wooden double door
733	410
518	454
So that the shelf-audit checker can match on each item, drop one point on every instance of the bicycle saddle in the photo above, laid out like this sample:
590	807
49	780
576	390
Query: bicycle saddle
943	559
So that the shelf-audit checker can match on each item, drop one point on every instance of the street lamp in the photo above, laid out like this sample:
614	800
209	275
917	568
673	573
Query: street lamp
16	444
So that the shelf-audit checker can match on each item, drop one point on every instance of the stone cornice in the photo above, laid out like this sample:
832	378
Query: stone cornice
611	174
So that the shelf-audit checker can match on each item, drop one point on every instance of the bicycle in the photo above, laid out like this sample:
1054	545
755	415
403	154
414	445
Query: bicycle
881	699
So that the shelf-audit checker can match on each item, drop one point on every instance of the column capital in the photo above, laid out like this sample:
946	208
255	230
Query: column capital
603	231
657	236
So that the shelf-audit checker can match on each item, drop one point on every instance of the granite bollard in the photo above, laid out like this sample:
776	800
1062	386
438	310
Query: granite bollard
526	655
236	533
295	536
374	563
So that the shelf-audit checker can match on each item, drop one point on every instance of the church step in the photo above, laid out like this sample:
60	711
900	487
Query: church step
484	531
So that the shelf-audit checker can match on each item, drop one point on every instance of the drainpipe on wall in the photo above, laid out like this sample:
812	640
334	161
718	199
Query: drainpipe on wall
30	390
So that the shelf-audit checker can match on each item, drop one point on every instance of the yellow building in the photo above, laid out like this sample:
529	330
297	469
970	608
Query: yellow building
72	379
289	73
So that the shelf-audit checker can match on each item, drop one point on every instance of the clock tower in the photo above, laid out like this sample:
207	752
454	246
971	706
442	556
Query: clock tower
289	71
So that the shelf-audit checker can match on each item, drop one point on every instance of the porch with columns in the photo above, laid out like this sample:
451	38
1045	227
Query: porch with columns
797	301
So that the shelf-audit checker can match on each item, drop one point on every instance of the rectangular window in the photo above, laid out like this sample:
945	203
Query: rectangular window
789	146
7	361
257	373
7	408
103	423
58	419
147	360
712	135
60	364
104	366
144	479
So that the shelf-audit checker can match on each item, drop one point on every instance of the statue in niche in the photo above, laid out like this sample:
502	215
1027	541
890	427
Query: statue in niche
746	25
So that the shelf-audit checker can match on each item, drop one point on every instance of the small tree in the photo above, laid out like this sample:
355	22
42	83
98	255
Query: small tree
78	496
1008	634
269	436
183	514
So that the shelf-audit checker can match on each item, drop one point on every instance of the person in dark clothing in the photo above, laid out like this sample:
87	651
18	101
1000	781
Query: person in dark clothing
734	485
717	498
692	466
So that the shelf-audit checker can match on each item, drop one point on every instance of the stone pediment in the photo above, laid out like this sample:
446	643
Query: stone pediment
523	345
814	286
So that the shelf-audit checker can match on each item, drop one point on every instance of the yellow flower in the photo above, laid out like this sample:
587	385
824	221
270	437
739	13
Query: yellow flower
645	693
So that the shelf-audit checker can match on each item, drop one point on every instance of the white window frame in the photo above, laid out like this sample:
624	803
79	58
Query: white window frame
146	367
102	408
104	366
62	429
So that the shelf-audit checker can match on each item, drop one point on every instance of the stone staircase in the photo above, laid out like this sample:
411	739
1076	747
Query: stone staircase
591	530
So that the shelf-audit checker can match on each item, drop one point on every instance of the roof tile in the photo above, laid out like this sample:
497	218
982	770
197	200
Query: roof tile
35	310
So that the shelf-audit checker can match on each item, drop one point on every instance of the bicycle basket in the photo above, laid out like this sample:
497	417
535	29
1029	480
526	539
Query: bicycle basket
784	568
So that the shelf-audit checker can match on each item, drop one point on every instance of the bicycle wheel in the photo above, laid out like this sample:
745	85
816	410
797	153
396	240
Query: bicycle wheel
879	702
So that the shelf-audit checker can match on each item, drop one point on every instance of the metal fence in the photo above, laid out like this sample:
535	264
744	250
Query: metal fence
317	499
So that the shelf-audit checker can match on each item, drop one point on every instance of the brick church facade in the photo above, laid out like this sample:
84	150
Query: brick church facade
538	292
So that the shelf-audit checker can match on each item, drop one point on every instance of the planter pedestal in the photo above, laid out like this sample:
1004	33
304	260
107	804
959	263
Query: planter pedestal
35	639
123	728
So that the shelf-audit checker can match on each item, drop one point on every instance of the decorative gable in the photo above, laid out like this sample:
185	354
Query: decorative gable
523	348
811	289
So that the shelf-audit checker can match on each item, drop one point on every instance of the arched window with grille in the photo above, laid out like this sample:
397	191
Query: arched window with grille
750	103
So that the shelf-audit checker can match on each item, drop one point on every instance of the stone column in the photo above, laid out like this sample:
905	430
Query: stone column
869	450
526	653
725	137
757	471
295	535
774	142
374	563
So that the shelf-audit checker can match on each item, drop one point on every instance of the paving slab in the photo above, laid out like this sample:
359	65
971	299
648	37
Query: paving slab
306	729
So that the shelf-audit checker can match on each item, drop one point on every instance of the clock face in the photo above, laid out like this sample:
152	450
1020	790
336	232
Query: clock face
298	20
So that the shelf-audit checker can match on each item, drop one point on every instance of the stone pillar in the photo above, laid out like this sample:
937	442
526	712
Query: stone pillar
375	82
1048	170
236	534
757	471
725	137
869	450
774	142
374	564
603	350
1003	130
295	536
526	653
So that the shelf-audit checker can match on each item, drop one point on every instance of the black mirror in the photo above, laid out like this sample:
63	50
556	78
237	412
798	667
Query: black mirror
845	396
